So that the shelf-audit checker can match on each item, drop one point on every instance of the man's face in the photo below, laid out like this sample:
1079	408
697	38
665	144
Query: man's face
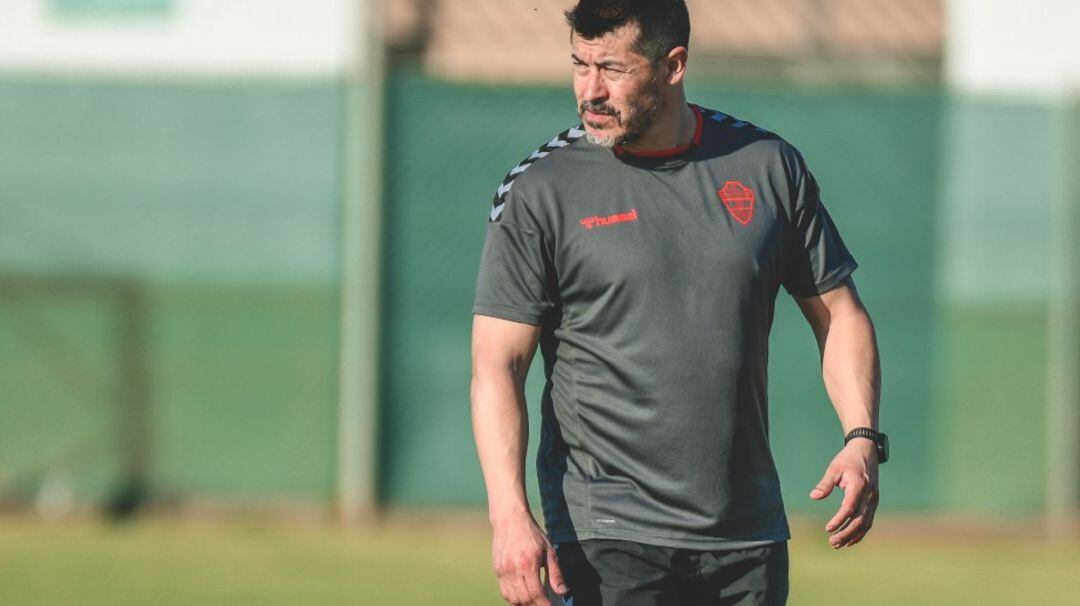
618	91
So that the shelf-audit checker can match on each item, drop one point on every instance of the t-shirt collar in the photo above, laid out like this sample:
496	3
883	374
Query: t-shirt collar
671	151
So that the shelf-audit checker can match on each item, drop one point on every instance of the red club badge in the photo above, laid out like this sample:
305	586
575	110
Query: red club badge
739	200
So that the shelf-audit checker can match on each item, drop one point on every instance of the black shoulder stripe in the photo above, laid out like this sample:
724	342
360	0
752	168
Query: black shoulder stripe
563	139
730	121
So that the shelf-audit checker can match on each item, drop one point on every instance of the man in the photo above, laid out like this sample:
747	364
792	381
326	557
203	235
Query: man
644	251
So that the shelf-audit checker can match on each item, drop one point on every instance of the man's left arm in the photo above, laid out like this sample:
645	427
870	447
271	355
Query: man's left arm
852	373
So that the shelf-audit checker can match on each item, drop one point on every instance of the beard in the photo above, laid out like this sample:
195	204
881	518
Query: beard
638	119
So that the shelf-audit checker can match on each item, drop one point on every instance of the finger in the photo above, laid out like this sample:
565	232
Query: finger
554	573
865	531
867	522
859	537
518	593
842	537
852	496
850	527
825	486
856	527
534	591
508	589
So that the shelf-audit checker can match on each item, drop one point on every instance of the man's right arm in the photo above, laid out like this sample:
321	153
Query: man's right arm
501	353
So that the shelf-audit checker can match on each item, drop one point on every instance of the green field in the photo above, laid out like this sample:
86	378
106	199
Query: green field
444	560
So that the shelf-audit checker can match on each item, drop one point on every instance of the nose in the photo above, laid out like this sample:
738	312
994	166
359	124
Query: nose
594	87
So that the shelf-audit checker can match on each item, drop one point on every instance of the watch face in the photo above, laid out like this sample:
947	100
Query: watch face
883	450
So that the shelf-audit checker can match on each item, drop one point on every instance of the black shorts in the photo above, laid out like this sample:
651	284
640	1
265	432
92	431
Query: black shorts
602	572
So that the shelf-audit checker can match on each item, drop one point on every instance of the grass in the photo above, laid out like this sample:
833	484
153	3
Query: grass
426	560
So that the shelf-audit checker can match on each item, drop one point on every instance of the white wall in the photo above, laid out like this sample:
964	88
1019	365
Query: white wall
286	38
1015	47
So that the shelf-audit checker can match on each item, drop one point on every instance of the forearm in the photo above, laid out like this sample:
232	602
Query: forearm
851	368
501	430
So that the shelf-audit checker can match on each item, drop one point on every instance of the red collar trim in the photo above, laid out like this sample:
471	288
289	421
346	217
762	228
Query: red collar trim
672	151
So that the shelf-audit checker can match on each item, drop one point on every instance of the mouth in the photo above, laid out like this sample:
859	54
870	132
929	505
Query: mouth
597	112
597	119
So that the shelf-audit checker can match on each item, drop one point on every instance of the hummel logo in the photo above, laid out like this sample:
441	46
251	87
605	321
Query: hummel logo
591	222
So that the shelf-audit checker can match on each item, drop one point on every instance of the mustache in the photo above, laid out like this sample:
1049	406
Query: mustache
598	108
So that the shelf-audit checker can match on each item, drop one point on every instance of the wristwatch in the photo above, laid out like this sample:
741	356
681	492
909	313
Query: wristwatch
879	439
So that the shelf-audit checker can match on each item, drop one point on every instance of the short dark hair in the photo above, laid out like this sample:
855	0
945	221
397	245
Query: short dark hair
664	24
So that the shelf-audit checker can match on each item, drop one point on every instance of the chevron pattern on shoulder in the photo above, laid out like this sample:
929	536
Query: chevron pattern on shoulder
563	139
731	121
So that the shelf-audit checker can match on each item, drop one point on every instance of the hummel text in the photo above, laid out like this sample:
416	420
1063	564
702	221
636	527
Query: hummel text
591	222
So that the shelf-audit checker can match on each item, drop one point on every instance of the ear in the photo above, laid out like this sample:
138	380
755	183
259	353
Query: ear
675	62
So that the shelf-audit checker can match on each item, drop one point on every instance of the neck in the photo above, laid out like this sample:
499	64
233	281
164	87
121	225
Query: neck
674	126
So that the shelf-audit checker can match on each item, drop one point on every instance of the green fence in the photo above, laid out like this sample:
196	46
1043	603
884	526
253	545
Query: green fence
219	205
877	155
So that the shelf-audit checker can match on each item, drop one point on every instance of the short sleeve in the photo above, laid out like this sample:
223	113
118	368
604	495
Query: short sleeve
516	280
816	259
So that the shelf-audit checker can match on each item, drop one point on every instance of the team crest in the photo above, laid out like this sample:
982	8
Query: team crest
739	200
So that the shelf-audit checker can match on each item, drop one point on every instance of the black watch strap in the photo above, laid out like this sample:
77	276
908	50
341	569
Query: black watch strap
879	439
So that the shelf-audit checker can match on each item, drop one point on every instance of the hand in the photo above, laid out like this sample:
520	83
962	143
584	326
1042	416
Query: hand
520	550
855	471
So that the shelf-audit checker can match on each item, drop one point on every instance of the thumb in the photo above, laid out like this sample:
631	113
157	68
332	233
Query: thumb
554	573
825	487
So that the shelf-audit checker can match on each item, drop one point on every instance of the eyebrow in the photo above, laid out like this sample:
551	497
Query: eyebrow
616	64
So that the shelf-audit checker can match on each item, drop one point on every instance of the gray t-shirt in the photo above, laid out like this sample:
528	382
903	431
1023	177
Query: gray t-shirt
654	280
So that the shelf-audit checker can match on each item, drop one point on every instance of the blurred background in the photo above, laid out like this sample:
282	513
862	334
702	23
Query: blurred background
239	240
